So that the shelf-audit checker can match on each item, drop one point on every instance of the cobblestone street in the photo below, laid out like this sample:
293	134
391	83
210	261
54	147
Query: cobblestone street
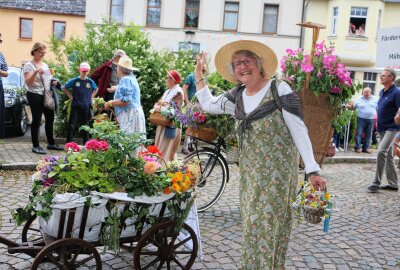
364	231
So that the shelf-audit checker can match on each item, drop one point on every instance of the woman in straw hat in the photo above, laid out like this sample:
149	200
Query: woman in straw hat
270	128
168	139
126	102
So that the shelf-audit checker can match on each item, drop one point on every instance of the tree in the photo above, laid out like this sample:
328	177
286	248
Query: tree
97	47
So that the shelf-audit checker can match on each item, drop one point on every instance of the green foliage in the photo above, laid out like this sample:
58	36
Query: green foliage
97	47
215	80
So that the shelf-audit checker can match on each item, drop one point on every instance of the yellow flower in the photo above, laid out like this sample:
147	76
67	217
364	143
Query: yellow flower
327	196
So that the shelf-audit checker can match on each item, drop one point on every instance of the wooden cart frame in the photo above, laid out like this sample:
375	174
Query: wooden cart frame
156	248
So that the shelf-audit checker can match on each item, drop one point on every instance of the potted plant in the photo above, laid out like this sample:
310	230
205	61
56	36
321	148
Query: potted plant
323	84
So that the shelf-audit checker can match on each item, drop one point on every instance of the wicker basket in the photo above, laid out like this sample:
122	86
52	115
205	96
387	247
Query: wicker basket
312	215
318	119
158	119
202	133
232	155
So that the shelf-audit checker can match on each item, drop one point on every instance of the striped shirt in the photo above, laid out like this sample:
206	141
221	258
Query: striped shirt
3	64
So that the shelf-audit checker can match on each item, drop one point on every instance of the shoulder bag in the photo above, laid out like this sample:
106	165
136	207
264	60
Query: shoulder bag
49	102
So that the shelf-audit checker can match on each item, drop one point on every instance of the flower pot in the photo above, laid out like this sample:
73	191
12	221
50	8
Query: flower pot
318	117
158	119
202	133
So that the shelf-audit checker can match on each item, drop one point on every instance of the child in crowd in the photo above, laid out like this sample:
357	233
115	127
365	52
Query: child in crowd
83	90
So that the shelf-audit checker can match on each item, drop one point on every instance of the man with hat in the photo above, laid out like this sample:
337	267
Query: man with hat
83	90
105	76
3	73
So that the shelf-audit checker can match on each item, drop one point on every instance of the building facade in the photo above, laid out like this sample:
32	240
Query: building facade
352	26
206	25
25	22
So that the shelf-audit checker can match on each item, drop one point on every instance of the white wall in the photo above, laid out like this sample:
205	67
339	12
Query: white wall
209	33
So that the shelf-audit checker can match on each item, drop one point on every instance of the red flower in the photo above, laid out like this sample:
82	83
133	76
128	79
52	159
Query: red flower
96	145
73	146
154	150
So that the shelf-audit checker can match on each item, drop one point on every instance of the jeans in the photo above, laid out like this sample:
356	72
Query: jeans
385	160
336	138
36	102
364	126
80	116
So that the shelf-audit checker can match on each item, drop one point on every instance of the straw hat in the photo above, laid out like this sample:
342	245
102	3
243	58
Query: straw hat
223	58
126	62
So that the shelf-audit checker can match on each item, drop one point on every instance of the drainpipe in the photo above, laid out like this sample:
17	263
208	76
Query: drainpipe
303	18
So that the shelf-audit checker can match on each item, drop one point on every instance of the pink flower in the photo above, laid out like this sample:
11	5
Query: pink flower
149	158
320	46
307	68
319	74
96	145
73	146
283	64
151	167
335	90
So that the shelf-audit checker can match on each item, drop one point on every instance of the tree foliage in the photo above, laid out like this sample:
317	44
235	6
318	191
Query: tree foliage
98	46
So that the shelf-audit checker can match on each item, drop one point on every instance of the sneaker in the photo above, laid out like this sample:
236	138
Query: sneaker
54	147
357	150
387	187
373	189
38	150
337	150
368	151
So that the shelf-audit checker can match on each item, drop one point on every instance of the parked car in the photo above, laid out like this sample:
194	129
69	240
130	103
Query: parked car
16	119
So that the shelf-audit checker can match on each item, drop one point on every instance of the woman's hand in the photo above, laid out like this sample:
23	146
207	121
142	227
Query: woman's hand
40	71
107	105
200	65
112	89
198	71
318	182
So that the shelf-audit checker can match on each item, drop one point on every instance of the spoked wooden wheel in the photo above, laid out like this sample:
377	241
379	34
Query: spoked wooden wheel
31	232
68	253
161	248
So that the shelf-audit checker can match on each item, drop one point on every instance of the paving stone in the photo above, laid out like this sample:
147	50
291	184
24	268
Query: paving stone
363	233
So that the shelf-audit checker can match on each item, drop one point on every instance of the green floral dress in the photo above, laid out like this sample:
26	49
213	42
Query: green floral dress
268	180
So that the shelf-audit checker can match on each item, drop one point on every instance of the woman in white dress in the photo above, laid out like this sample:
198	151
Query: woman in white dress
167	139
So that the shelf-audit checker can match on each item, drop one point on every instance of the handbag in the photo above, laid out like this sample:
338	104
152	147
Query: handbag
49	102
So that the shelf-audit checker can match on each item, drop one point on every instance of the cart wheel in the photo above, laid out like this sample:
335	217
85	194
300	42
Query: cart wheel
68	253
31	232
159	247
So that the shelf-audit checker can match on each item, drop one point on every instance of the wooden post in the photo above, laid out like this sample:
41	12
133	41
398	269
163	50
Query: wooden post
315	27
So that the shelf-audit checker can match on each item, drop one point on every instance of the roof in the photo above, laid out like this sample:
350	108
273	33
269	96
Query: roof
392	1
68	7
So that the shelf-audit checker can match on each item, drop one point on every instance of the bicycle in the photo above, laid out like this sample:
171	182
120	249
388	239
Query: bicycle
214	172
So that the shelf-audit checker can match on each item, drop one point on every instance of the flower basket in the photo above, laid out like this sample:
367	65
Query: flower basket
158	119
320	128
232	155
203	133
312	215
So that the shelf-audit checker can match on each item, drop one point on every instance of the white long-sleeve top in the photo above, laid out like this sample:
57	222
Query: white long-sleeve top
296	126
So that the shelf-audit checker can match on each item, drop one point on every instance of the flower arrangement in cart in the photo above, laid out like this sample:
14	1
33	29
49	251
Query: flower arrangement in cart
108	164
327	73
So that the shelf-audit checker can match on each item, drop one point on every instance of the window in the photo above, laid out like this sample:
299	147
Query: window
358	20
117	10
153	12
270	18
25	28
334	21
189	46
231	15
192	13
379	22
59	30
370	81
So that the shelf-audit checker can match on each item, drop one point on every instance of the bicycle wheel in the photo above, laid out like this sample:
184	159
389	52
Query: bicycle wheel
211	184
